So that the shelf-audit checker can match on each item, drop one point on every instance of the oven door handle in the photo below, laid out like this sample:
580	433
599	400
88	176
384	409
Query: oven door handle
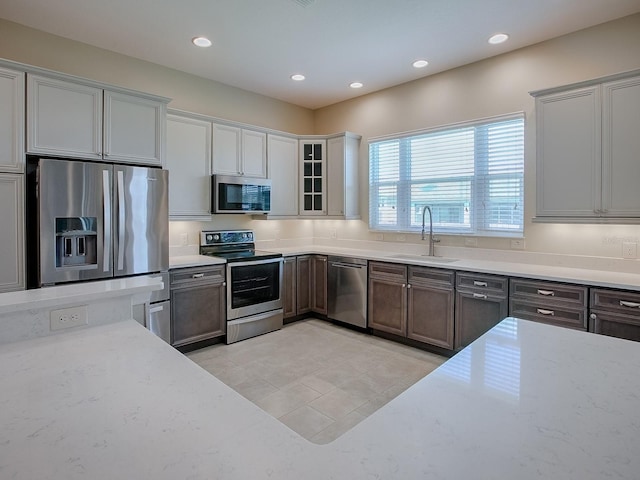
254	262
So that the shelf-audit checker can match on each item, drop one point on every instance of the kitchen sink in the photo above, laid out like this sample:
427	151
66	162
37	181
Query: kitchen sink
424	258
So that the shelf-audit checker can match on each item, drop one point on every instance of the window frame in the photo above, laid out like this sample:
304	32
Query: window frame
403	185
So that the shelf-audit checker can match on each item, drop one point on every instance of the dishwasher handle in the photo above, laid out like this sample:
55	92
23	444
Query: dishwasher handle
347	265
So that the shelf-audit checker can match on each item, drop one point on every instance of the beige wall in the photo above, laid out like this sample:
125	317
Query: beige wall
191	93
492	87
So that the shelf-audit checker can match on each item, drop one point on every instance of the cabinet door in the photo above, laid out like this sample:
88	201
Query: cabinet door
197	313
313	199
254	154
303	293
476	313
430	306
568	153
11	121
289	284
226	150
134	129
319	284
335	176
63	118
189	164
283	172
621	148
12	232
387	305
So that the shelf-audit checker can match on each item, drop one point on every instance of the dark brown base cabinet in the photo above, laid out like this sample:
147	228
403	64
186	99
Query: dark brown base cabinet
319	284
412	302
481	303
198	304
615	313
304	285
289	287
431	305
549	302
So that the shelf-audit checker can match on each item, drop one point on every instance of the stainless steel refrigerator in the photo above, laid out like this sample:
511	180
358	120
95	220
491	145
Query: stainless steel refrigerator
97	221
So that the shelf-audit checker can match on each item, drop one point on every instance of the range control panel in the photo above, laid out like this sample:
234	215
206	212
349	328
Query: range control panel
225	237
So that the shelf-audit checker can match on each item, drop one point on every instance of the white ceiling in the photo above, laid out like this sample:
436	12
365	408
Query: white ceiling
258	44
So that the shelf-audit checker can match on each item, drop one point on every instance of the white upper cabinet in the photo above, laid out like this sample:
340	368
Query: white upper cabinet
313	176
568	152
133	128
621	148
342	177
282	153
238	151
588	151
254	154
188	160
12	232
11	121
66	118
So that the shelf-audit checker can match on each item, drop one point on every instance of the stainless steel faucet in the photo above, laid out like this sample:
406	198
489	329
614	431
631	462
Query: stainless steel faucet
432	239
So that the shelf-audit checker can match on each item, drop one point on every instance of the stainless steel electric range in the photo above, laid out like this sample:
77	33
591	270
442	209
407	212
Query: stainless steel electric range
254	282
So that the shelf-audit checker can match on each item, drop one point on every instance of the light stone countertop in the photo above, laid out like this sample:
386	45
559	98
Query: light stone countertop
183	261
525	401
47	297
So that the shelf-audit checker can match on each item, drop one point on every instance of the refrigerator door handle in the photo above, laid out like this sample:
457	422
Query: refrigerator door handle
106	241
121	220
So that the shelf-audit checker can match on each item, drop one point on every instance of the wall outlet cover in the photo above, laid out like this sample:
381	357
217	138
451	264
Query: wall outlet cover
470	242
401	237
68	317
379	237
629	250
517	244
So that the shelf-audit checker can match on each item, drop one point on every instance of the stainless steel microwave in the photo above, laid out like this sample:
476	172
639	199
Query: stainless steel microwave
240	194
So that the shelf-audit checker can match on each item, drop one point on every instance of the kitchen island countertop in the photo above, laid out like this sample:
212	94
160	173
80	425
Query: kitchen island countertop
524	401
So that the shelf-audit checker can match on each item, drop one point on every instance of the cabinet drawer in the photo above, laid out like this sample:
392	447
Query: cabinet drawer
197	274
493	284
627	303
556	314
392	271
548	292
615	325
431	276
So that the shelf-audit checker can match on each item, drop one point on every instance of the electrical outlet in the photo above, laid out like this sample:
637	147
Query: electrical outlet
379	237
629	250
184	239
517	244
470	242
401	238
333	233
68	317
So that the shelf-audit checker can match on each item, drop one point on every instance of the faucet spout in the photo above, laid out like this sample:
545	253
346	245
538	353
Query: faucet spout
432	240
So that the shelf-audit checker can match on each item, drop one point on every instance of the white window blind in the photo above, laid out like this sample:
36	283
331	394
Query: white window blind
471	176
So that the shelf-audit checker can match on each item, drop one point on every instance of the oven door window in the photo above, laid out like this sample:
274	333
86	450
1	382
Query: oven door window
254	284
245	197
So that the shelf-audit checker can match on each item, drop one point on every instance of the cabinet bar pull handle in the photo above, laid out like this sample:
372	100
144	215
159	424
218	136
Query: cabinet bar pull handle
480	295
476	283
197	275
548	293
545	312
629	304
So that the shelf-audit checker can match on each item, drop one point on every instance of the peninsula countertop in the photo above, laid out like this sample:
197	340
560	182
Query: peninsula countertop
524	401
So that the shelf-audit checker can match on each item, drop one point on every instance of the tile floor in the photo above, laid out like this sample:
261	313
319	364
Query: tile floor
317	378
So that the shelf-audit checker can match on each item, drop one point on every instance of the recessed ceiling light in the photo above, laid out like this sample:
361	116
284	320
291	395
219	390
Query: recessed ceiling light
201	42
356	85
297	77
420	63
498	38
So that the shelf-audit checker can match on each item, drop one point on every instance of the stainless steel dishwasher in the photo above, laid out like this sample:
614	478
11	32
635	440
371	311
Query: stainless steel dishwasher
347	290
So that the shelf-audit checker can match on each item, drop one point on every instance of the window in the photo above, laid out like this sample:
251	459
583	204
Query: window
471	175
